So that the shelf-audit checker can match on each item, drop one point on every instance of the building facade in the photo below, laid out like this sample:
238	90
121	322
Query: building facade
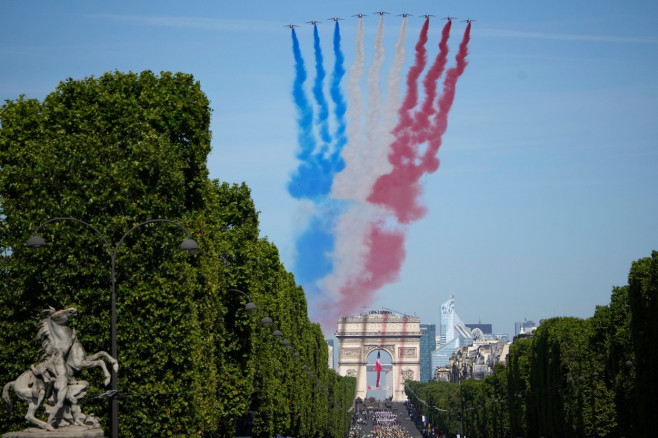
525	326
453	334
427	346
330	347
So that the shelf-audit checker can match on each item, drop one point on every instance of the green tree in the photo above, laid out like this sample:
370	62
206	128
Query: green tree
112	151
115	151
643	301
518	382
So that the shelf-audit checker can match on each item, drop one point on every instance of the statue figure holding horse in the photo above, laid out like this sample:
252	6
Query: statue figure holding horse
52	379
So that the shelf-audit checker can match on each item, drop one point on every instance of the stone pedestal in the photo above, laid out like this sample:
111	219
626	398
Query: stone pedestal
65	432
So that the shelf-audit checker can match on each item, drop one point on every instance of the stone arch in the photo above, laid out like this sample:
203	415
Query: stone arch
370	348
398	335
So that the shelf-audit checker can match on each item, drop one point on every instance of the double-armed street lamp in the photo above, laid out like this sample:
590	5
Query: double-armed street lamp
189	245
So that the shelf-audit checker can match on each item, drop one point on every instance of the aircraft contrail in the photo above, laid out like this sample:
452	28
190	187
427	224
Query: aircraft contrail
357	178
411	98
318	93
363	176
385	251
341	188
430	84
313	178
400	189
362	186
339	102
393	88
430	162
305	136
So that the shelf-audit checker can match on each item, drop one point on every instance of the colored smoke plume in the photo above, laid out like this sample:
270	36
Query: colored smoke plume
400	189
362	181
313	178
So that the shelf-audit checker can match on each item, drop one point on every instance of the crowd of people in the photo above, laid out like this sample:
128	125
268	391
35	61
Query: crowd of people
377	423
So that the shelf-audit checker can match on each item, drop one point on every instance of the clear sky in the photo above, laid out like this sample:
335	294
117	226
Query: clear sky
547	188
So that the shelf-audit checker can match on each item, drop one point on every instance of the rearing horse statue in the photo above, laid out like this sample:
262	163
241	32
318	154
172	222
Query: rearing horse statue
52	379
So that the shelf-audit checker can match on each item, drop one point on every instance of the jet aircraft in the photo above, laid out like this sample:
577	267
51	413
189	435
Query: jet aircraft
468	20
427	16
449	18
314	22
334	19
359	15
381	13
404	14
292	26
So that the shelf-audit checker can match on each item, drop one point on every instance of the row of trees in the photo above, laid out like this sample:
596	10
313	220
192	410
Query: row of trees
574	377
115	151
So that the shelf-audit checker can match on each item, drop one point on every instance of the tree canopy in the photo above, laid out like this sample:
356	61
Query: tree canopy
115	151
574	377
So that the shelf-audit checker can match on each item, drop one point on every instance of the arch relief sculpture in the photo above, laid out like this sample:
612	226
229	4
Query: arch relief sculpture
407	374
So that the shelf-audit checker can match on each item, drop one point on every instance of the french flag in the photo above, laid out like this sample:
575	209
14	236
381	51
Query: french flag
378	368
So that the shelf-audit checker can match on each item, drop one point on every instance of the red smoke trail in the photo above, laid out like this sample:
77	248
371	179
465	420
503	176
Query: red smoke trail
400	189
411	99
430	162
422	120
382	265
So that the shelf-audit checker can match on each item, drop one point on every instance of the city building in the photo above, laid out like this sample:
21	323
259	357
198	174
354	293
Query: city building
427	346
330	346
474	361
486	329
453	334
525	326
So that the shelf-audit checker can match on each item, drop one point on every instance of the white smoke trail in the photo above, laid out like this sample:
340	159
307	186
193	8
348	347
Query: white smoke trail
342	187
373	80
350	246
351	184
350	249
380	164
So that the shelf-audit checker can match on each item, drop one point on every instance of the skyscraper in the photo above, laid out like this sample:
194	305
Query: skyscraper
453	334
427	346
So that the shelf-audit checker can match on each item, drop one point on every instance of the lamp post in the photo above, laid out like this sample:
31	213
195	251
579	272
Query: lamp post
189	245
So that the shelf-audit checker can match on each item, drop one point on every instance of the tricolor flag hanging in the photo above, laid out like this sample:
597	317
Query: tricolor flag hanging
378	368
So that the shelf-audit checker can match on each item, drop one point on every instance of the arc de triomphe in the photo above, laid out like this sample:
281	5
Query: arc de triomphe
398	335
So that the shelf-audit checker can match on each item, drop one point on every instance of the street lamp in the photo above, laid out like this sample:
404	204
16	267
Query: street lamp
189	245
250	306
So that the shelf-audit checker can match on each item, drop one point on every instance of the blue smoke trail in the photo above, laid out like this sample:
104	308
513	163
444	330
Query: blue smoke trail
339	103
314	248
314	176
305	111
318	91
309	181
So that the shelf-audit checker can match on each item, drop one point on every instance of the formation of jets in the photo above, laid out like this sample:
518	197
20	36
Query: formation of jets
380	13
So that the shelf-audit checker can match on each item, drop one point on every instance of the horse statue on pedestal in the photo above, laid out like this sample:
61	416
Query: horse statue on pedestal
52	379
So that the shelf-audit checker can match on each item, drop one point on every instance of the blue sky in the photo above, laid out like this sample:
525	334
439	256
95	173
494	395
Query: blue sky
547	189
